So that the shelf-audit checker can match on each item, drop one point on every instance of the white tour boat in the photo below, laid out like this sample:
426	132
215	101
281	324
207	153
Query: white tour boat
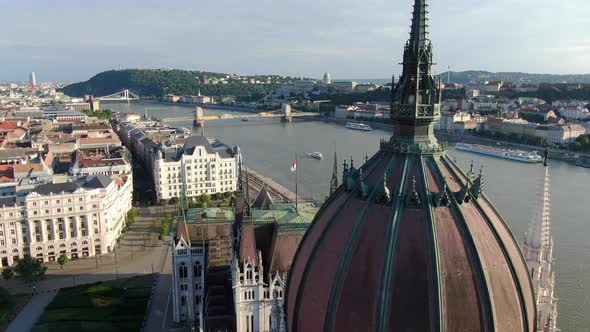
358	126
517	155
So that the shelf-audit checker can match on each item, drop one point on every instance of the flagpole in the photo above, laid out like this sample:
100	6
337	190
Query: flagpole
296	173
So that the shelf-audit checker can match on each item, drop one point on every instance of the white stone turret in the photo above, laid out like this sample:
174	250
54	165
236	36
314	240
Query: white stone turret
538	252
255	299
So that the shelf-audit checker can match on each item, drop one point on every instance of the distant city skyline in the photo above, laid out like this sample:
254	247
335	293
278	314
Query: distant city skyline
72	40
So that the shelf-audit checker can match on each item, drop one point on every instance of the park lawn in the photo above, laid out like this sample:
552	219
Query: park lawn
9	309
117	305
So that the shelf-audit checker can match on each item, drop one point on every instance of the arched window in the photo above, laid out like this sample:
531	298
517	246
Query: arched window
73	244
197	270
4	252
85	242
39	248
51	247
62	245
15	251
182	271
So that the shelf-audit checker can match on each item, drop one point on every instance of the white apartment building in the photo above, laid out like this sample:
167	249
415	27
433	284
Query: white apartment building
578	113
76	219
201	166
447	120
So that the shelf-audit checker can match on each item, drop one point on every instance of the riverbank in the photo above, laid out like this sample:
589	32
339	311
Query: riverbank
556	154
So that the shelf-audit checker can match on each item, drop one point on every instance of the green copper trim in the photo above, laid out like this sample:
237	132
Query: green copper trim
434	254
345	259
482	282
509	261
315	247
384	296
523	261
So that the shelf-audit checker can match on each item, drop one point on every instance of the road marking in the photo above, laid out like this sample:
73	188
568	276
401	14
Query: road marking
166	311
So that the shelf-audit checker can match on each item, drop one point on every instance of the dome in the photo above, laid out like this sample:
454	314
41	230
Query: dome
409	241
433	253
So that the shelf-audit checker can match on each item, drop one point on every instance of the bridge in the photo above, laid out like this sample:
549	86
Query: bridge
198	116
124	95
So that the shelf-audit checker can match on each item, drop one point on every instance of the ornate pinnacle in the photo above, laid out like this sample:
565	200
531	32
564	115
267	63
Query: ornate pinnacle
413	200
384	193
363	188
477	188
344	171
334	181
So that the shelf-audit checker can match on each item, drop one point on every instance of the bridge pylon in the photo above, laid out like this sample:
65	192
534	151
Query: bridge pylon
199	121
286	110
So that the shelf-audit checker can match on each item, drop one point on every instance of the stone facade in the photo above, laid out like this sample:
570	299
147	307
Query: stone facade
76	219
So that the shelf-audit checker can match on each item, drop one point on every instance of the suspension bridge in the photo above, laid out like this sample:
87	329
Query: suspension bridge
124	95
198	116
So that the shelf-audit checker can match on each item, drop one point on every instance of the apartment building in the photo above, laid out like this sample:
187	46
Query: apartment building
200	166
77	219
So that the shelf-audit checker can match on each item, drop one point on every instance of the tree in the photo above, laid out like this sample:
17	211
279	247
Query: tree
205	200
7	273
62	260
30	269
6	300
131	214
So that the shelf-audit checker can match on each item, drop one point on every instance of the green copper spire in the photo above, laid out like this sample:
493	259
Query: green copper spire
415	101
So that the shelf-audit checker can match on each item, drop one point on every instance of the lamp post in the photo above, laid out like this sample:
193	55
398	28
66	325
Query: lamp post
116	269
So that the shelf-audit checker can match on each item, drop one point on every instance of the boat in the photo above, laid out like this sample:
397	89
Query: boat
517	155
358	126
316	155
245	119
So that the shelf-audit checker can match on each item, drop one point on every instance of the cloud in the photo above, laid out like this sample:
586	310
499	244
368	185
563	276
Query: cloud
69	39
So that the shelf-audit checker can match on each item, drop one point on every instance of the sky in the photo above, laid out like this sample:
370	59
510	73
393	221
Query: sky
70	40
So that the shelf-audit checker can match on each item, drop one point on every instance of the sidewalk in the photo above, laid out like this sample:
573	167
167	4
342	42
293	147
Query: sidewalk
140	252
30	314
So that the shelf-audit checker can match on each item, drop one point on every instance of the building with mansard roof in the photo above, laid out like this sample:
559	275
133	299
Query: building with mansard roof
409	241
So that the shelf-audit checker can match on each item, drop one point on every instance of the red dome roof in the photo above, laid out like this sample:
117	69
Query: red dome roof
409	242
435	254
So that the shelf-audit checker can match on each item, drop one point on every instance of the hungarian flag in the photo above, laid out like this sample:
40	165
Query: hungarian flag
294	166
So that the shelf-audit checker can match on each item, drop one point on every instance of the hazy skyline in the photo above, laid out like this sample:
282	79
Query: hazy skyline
73	40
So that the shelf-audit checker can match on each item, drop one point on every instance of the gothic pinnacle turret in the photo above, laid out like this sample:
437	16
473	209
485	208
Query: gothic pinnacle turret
538	252
416	99
334	181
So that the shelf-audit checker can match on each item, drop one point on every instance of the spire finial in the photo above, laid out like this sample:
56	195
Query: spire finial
366	157
546	155
351	162
334	181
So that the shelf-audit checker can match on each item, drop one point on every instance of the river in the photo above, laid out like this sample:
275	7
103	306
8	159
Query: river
270	147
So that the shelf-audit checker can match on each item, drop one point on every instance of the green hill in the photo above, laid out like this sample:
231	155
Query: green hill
478	76
158	82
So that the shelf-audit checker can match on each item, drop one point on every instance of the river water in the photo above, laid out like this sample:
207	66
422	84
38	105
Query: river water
270	147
